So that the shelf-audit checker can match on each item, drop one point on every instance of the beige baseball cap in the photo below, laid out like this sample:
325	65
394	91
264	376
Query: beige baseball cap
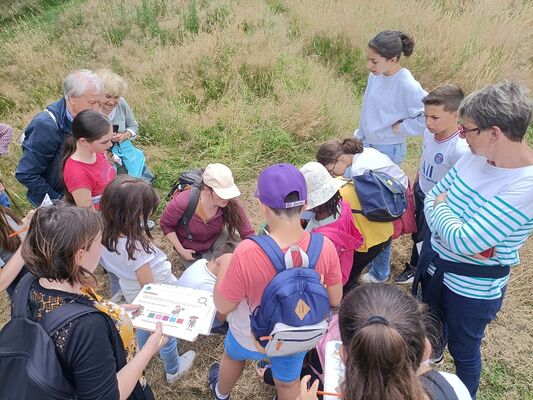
219	178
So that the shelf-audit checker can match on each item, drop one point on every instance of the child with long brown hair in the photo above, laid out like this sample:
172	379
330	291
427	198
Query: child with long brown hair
385	347
129	253
96	350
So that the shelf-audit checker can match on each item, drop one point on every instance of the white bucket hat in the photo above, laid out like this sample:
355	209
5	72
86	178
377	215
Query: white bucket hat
321	186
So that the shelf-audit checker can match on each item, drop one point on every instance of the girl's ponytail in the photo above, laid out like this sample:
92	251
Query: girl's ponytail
382	329
408	44
378	365
390	44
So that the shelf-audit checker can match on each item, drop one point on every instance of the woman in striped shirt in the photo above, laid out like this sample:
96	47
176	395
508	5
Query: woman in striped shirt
479	214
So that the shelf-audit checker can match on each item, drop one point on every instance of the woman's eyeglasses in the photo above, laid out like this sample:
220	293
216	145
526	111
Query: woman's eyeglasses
463	130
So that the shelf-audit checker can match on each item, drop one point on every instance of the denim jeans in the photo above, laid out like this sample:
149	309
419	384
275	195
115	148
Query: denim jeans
464	320
168	353
4	200
396	152
114	285
379	267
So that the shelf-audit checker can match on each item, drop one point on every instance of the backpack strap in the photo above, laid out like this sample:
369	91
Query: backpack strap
51	114
282	261
437	386
62	315
272	250
314	249
194	197
22	293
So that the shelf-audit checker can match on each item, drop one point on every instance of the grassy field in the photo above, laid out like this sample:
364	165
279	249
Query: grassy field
252	82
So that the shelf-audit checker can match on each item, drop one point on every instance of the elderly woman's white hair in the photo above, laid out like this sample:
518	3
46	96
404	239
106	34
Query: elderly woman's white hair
78	82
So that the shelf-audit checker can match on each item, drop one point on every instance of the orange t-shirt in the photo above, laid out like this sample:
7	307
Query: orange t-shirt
250	271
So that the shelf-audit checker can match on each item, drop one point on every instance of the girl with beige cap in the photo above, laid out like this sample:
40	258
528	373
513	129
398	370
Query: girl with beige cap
217	218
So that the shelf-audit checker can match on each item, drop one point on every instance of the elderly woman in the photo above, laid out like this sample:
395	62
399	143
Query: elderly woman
125	126
479	214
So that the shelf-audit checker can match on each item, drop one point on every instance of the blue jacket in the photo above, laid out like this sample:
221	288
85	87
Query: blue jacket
42	152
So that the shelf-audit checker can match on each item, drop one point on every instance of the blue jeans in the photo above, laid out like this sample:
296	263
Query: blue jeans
464	321
168	353
4	200
114	285
379	267
396	152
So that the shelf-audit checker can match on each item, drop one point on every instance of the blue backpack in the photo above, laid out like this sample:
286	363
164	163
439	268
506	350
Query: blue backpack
294	309
382	197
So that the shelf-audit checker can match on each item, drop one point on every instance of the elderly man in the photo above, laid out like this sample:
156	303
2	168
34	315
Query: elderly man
39	167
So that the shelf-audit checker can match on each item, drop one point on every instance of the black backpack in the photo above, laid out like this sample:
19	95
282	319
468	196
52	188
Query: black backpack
29	367
190	180
437	386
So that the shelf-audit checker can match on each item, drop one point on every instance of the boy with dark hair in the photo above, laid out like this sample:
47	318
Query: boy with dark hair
282	194
442	148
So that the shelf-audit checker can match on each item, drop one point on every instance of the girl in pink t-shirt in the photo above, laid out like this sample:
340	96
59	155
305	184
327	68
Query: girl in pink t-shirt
86	170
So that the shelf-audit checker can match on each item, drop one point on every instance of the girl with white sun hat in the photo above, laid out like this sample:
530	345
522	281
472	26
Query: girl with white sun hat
332	216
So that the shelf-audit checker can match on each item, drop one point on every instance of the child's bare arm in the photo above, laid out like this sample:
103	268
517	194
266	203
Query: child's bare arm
144	274
10	271
335	294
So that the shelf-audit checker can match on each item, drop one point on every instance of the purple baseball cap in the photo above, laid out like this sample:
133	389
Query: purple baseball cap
279	180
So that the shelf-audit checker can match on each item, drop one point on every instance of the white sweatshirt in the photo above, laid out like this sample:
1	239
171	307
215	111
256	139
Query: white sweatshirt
387	100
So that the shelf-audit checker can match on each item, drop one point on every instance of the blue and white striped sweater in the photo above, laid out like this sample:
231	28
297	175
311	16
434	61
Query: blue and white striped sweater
485	207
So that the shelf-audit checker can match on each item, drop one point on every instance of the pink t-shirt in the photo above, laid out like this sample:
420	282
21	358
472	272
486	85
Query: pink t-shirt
249	273
94	177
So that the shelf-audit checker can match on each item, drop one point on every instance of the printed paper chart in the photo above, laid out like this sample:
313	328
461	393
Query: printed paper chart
333	370
184	312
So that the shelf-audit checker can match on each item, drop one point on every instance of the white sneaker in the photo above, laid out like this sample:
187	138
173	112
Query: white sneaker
369	278
186	361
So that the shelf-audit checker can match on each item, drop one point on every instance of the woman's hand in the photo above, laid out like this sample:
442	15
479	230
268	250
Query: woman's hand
156	339
120	137
308	394
439	199
188	254
396	127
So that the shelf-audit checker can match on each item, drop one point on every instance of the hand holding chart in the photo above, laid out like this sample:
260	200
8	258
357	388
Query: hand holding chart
184	312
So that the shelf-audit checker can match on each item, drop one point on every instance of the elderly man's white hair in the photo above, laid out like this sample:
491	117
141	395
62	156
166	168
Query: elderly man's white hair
78	82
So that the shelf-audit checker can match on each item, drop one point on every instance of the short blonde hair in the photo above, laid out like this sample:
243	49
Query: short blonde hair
114	85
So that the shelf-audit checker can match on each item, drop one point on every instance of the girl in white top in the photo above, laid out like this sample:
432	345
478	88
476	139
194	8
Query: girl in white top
392	106
349	158
129	253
